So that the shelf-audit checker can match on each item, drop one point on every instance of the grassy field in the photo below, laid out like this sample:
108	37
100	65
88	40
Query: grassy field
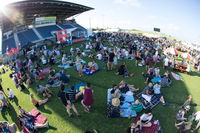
101	81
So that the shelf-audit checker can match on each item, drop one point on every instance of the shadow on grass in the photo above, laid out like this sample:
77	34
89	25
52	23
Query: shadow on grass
10	111
195	73
44	110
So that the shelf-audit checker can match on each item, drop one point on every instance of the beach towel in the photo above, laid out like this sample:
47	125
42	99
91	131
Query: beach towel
176	76
65	66
38	117
151	129
34	112
76	87
156	80
88	72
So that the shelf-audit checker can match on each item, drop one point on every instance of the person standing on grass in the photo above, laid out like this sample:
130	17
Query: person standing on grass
110	60
79	67
87	98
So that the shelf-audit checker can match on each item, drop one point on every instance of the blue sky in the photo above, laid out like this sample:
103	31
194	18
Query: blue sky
179	18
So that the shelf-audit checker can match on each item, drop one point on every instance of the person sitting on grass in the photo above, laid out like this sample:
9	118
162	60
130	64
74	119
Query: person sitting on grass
180	116
63	98
5	127
44	60
64	60
136	106
44	90
70	96
157	93
113	108
148	77
144	121
183	126
64	78
122	70
115	92
31	125
94	67
37	103
87	98
11	94
148	93
196	117
123	87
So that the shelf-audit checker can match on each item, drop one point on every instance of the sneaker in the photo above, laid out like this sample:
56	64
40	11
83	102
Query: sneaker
166	103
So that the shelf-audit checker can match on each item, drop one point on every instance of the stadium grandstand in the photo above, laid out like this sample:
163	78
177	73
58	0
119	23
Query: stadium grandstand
33	21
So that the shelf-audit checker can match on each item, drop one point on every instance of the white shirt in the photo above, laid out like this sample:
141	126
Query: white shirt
166	61
126	53
44	61
99	56
1	96
11	93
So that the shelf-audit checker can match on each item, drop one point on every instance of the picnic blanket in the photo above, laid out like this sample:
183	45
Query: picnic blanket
46	70
124	106
88	72
176	76
68	66
77	87
151	129
156	80
65	66
154	100
38	118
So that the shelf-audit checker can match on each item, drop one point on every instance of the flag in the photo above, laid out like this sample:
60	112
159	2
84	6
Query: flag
7	49
19	45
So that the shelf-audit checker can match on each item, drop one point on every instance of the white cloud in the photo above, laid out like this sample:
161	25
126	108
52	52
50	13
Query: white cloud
134	3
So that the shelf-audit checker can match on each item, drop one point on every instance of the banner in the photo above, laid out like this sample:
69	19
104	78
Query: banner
62	36
12	51
79	40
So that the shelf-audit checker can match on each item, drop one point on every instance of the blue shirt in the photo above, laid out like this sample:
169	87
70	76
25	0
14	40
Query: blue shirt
156	89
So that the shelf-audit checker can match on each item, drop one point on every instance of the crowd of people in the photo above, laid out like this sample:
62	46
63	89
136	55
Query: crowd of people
110	49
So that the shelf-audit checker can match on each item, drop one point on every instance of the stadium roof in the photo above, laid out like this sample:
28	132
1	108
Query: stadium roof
24	12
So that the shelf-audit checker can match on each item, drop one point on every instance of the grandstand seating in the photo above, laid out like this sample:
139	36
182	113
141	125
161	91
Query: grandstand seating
45	31
27	36
78	26
8	42
66	26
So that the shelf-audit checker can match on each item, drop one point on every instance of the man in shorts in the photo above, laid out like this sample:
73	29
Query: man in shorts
110	60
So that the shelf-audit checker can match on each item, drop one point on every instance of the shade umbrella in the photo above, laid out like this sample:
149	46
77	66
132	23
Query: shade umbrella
187	56
171	51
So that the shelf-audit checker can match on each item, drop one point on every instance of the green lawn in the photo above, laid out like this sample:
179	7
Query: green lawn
101	81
